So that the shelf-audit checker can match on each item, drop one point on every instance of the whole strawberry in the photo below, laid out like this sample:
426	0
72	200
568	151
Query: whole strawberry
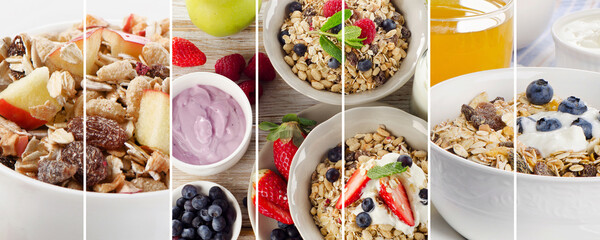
186	54
231	66
286	138
266	72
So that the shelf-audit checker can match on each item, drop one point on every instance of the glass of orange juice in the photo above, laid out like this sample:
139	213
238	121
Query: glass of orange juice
470	36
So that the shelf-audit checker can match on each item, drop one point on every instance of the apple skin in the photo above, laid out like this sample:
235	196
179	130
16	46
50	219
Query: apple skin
153	125
122	42
19	116
222	18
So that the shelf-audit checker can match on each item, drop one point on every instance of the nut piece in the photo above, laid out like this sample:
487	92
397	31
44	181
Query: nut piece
154	54
106	108
135	90
148	184
117	71
104	133
71	54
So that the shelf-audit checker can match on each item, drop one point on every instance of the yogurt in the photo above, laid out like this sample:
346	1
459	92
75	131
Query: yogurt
583	32
413	180
208	125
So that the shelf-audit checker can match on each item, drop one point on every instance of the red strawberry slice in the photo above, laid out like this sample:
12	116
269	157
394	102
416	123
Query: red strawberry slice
273	188
272	210
186	54
353	188
397	200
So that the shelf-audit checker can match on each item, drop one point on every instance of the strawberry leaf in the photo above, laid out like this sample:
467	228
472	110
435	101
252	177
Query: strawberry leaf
290	118
267	126
387	170
307	122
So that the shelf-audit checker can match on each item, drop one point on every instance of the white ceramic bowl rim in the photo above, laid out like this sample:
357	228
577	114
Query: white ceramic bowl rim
478	16
200	79
569	18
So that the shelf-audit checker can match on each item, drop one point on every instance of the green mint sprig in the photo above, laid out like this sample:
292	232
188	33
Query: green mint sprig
386	170
350	35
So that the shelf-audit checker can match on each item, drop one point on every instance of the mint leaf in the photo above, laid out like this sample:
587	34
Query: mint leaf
387	170
352	32
330	47
336	19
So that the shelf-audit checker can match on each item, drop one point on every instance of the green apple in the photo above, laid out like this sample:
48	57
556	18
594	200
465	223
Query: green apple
222	17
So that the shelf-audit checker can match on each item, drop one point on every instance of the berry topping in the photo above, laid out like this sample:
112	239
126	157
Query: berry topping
363	220
266	72
188	233
424	195
187	218
231	66
204	232
335	154
177	227
333	63
278	234
573	106
215	211
539	92
219	223
180	202
585	125
280	36
249	88
216	193
200	202
187	206
332	7
368	30
204	215
547	124
292	7
292	231
336	29
186	54
300	49
367	204
405	160
332	175
176	212
189	191
364	65
388	25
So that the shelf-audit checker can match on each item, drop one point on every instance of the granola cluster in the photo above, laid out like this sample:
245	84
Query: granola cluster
323	195
483	133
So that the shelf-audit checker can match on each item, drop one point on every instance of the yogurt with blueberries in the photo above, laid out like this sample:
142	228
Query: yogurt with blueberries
573	127
415	185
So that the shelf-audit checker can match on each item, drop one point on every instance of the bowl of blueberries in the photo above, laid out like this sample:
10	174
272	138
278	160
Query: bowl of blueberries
205	210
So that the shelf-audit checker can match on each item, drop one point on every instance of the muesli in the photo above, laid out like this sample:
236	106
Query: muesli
556	137
370	210
483	133
372	56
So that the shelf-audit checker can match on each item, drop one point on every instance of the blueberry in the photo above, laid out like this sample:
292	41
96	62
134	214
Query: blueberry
221	203
293	6
176	212
388	25
363	220
187	206
215	211
245	202
585	125
219	236
300	49
187	218
364	65
188	233
573	106
405	160
204	215
280	36
177	227
200	202
197	222
282	225
547	124
180	202
216	193
539	92
333	63
332	175
336	29
219	224
204	232
367	204
189	191
278	234
424	195
335	154
292	231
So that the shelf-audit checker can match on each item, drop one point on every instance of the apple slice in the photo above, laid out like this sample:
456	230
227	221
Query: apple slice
55	62
121	42
19	96
153	126
128	23
94	40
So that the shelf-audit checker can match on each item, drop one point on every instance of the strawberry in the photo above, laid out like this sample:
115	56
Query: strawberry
231	66
272	210
353	188
273	188
332	7
266	72
286	138
368	30
249	88
186	54
396	199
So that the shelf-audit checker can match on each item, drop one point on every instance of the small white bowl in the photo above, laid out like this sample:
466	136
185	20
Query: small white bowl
204	187
476	200
570	55
327	135
534	17
415	13
212	79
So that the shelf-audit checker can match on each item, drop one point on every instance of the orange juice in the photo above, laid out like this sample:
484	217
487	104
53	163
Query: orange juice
469	36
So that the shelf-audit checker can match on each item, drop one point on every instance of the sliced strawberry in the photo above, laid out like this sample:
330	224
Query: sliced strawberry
283	153
270	209
273	188
353	188
397	200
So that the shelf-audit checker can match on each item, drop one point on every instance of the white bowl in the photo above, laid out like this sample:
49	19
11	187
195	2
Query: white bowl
533	18
212	79
415	13
570	55
553	207
476	200
204	187
329	134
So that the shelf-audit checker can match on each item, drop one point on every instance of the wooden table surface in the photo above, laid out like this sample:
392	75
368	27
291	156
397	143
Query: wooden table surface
278	99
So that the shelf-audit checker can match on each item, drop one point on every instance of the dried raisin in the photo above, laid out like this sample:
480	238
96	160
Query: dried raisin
17	47
55	171
75	127
485	113
96	166
8	161
589	171
73	154
105	133
522	166
542	169
158	71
